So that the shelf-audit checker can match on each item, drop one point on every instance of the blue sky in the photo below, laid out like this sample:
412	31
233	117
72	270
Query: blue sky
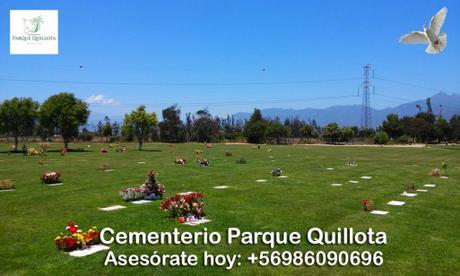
227	42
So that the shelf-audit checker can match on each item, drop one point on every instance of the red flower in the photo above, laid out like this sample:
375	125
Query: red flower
72	227
70	242
152	173
180	219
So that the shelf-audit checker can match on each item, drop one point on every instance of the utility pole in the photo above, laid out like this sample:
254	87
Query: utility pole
366	117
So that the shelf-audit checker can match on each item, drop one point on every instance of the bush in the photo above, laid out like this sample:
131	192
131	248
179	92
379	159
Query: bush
6	184
85	136
403	139
381	138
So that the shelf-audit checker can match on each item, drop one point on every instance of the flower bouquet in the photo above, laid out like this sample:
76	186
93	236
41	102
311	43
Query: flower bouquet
184	208
367	204
63	151
134	193
75	239
150	190
6	184
180	161
410	187
277	172
50	177
204	163
435	172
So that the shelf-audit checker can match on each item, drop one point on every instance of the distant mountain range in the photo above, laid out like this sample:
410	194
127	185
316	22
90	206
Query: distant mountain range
350	115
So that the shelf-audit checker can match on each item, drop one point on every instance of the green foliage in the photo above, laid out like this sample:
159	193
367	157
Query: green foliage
392	125
347	134
205	128
331	133
381	138
139	124
276	132
403	139
172	130
18	117
455	127
64	113
254	130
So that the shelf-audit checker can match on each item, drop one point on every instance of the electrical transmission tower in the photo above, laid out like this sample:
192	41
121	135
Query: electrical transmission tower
366	117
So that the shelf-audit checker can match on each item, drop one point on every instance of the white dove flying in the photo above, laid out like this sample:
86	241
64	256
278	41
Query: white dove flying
432	35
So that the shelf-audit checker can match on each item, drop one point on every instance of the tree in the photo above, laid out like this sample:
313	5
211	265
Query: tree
455	126
347	134
307	132
107	129
443	130
64	113
331	132
172	129
381	138
18	117
276	132
139	124
255	128
205	128
392	126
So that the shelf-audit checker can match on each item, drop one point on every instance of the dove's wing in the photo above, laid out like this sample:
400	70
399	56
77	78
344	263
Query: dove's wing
438	20
414	38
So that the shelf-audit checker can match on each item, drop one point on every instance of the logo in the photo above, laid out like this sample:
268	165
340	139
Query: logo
32	26
34	32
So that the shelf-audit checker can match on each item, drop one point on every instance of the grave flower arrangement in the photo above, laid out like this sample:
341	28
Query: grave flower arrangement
180	161
150	190
184	208
6	184
50	177
134	193
277	172
75	239
204	163
368	205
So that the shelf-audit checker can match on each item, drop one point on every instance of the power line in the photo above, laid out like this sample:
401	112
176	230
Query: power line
178	84
412	85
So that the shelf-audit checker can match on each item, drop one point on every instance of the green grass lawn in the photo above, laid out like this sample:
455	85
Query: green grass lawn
423	235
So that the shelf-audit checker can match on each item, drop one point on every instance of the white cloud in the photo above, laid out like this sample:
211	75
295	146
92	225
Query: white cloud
101	99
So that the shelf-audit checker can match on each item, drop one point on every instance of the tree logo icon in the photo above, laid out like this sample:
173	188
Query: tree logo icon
33	25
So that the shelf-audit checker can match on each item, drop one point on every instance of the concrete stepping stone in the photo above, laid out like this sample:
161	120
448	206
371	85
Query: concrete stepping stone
366	177
396	203
336	184
9	190
330	169
283	176
422	190
354	181
429	185
261	180
112	208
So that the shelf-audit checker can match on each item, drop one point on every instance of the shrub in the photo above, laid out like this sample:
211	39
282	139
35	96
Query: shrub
381	138
6	184
404	139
